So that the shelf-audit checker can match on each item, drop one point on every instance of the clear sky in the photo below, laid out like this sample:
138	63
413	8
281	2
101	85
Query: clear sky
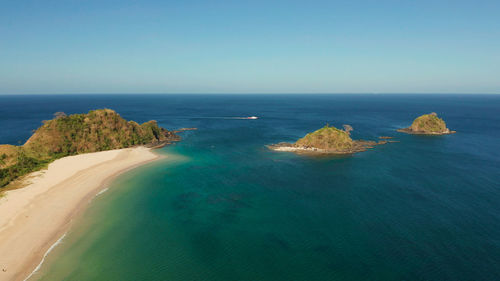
124	46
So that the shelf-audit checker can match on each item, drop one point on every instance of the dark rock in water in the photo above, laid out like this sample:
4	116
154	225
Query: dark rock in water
281	243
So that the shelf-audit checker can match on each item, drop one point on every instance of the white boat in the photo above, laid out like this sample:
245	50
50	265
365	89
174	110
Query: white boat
253	117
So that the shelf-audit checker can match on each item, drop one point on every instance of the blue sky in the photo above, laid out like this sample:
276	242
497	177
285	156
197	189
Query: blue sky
249	46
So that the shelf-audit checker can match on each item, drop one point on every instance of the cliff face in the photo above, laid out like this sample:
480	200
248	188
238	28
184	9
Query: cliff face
428	124
329	138
98	130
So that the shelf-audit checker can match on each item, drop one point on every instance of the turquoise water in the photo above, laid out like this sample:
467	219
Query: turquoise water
223	207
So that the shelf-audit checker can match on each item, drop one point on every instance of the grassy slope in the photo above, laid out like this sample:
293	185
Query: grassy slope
329	138
429	123
8	155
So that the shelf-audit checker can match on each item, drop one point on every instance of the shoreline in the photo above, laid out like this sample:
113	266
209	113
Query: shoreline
411	132
35	217
359	146
304	149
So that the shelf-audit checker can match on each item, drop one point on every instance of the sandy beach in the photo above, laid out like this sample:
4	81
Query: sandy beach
33	218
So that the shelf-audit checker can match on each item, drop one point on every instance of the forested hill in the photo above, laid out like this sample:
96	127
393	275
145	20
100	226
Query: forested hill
98	130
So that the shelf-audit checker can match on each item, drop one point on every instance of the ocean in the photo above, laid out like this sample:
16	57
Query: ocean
224	207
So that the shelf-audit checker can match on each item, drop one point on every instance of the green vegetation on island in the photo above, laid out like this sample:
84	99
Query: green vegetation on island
427	124
98	130
327	140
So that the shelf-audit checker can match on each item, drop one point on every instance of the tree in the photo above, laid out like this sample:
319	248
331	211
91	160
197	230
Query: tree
2	158
59	114
348	129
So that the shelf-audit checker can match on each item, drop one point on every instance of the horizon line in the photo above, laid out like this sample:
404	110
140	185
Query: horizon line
253	93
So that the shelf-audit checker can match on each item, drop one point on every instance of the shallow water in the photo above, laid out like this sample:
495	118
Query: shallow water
223	207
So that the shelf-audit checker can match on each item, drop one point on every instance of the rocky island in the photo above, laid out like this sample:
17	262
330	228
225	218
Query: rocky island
98	130
427	124
327	140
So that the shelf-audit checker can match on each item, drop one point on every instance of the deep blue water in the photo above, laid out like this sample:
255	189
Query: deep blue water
223	207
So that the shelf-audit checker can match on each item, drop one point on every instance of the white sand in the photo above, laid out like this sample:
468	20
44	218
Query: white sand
33	218
298	149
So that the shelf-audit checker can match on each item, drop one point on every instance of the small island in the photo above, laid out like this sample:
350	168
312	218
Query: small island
66	135
427	124
327	140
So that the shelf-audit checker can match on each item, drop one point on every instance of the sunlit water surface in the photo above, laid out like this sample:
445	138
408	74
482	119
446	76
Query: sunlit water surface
223	207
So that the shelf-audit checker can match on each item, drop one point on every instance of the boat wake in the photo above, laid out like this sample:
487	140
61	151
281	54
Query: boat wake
222	117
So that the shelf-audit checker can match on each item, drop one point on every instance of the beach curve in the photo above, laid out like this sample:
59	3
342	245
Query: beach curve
34	218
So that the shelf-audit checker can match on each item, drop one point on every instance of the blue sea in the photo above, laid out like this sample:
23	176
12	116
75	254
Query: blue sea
222	206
